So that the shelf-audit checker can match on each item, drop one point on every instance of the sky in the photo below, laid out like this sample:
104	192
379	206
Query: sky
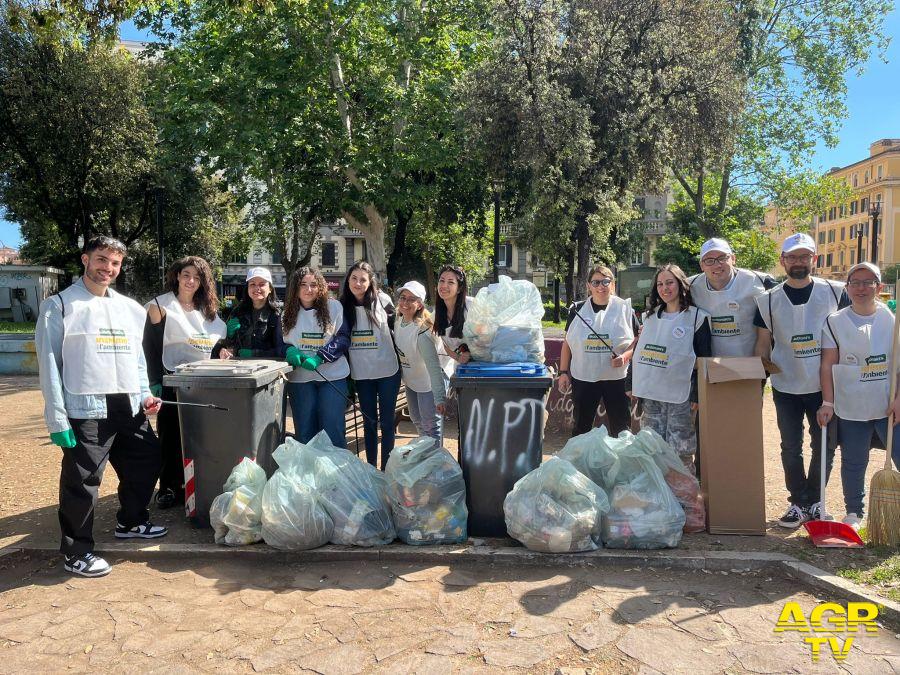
873	103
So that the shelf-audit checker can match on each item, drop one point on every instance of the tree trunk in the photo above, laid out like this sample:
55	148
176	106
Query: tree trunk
399	251
570	276
373	230
583	244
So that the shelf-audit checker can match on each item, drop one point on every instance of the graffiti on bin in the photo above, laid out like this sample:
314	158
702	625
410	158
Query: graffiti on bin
495	426
560	416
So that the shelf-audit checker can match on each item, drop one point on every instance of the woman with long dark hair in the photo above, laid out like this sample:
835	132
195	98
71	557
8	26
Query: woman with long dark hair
182	326
318	339
675	332
374	367
449	316
254	326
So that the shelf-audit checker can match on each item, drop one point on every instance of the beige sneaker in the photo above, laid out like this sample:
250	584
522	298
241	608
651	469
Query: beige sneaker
853	521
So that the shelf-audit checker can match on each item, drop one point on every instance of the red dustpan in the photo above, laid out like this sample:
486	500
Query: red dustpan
827	533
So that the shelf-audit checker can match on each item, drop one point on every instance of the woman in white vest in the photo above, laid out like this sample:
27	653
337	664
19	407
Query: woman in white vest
856	356
595	354
374	367
674	334
449	316
317	339
182	326
422	373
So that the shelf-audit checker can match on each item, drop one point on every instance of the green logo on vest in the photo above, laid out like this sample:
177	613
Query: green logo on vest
876	358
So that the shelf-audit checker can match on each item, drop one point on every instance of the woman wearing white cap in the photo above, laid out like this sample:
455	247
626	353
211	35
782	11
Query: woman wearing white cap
422	373
254	327
182	326
856	352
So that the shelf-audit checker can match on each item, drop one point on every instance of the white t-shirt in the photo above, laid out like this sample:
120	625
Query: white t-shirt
858	320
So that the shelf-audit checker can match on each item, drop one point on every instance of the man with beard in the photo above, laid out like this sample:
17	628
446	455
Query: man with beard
789	322
96	399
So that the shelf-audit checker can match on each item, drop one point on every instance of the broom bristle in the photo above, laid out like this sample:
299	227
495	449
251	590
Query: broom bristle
884	508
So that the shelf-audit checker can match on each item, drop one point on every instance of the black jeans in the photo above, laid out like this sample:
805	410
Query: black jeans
802	485
167	424
586	396
127	441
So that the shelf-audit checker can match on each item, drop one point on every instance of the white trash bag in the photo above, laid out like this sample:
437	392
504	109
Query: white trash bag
556	509
504	323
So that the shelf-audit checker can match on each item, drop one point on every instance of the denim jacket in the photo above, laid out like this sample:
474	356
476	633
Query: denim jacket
60	404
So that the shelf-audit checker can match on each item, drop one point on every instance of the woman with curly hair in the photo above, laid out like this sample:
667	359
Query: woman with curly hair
318	339
374	367
182	326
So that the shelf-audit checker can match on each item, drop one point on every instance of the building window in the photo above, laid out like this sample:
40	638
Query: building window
866	177
257	256
878	199
831	213
853	206
828	259
856	180
843	233
841	211
276	257
504	257
852	257
637	257
820	260
853	231
329	254
864	205
880	172
822	237
842	258
831	234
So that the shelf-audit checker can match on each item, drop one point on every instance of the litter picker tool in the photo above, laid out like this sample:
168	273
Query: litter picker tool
211	406
345	397
884	490
596	334
828	533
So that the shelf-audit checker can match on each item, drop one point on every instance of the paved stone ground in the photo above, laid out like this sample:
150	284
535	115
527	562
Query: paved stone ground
179	616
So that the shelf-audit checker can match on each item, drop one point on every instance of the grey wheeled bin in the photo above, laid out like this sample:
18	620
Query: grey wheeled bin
501	435
214	441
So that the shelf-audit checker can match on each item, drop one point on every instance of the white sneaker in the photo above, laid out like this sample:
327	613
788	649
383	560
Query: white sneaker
87	565
817	512
853	521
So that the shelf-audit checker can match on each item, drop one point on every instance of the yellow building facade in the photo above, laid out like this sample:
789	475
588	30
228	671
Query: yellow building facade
839	231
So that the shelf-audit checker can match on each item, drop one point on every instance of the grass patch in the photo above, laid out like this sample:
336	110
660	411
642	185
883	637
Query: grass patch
17	327
885	576
550	324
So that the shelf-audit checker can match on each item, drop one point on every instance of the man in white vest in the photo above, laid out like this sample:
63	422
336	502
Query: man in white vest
789	321
96	401
728	293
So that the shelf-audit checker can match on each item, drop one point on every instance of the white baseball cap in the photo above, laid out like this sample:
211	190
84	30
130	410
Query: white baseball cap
865	266
715	244
797	241
261	272
415	288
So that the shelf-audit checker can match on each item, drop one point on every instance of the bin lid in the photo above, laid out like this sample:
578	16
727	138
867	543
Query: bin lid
231	373
518	382
481	369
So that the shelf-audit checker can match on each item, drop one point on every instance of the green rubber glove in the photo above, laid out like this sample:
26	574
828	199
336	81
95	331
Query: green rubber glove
245	353
233	326
294	356
892	305
156	390
311	362
64	439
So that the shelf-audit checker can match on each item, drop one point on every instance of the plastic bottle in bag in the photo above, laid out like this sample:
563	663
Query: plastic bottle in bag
237	513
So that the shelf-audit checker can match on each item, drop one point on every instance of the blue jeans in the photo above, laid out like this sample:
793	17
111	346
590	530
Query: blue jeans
790	409
424	415
856	441
316	406
377	400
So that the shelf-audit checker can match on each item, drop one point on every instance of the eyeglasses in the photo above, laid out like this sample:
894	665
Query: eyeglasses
600	282
709	262
791	259
309	287
407	299
863	283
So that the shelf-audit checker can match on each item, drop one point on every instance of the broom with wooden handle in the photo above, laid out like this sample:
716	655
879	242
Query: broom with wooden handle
884	491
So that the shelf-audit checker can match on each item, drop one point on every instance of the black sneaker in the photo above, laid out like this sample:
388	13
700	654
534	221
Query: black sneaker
794	517
87	565
145	531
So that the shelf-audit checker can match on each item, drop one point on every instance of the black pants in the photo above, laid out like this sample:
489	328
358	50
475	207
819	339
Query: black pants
169	428
790	409
128	442
586	396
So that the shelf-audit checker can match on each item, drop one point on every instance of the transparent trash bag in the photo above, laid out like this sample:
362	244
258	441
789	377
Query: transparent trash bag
427	494
236	513
352	492
293	519
556	509
504	323
681	481
592	455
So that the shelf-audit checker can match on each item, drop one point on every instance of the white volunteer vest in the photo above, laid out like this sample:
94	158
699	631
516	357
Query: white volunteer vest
591	359
797	331
731	312
664	357
861	380
371	352
102	341
308	336
187	336
447	363
415	374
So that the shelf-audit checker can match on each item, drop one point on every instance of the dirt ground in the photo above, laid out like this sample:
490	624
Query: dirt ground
29	471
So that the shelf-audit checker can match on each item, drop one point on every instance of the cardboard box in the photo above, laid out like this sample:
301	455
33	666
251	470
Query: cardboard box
731	444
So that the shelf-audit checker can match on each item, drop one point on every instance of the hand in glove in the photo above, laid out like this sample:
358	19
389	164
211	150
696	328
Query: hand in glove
245	353
64	439
233	326
311	362
294	356
156	390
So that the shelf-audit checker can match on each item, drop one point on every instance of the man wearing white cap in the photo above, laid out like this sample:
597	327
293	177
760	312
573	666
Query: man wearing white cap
856	352
789	322
254	327
729	294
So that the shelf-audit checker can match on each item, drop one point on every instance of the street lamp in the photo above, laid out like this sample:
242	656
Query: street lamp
158	194
497	184
874	213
